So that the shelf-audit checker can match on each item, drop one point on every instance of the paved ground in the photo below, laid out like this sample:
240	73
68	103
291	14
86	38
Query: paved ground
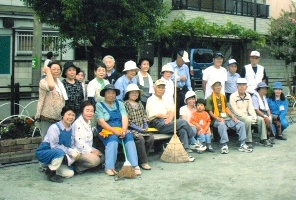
267	173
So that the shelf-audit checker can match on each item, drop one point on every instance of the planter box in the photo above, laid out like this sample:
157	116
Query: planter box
18	150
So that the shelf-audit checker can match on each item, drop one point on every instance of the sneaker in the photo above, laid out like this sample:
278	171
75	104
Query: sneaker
198	147
280	137
224	149
250	145
245	148
210	149
266	143
271	140
191	159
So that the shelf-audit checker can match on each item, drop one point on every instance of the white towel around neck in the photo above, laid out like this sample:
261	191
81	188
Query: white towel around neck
61	89
263	106
141	81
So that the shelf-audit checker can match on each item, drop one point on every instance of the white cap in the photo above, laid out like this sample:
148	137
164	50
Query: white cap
232	61
189	94
133	87
184	55
167	68
130	65
255	53
241	81
159	82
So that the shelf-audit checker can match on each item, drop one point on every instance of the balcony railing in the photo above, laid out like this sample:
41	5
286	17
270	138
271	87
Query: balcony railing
234	7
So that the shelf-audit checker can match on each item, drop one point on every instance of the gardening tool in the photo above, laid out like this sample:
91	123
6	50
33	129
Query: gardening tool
127	169
174	151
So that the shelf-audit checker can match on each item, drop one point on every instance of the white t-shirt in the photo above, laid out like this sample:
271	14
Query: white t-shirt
211	74
94	88
186	113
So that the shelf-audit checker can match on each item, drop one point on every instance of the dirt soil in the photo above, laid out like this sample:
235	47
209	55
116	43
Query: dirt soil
266	173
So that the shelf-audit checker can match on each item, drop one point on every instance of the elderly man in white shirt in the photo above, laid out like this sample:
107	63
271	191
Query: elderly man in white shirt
161	116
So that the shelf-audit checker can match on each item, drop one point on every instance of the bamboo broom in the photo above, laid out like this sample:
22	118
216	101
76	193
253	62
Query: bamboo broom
127	170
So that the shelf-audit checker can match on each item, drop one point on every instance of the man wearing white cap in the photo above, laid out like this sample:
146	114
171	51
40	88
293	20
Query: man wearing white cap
232	76
254	73
161	116
183	78
167	72
241	105
128	77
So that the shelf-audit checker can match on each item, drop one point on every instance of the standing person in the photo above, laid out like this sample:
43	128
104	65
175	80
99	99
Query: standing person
214	72
128	77
262	109
242	106
80	77
83	139
57	149
113	129
111	74
278	105
72	86
52	97
223	119
95	86
232	76
202	121
161	117
183	78
254	73
144	80
138	124
168	96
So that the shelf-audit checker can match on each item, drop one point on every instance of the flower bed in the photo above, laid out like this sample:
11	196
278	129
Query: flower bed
19	139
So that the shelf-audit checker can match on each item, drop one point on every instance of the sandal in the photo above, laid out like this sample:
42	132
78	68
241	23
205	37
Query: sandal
138	171
145	166
111	172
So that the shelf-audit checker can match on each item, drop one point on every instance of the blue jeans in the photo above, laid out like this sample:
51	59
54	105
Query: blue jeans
111	150
204	138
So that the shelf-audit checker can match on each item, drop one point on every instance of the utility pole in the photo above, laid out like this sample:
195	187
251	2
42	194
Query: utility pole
36	53
255	14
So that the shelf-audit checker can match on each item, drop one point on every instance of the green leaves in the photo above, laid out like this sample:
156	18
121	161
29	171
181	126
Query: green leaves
199	27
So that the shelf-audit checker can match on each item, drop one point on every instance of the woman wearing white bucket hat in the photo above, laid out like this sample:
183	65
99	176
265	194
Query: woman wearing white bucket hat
167	72
138	124
128	77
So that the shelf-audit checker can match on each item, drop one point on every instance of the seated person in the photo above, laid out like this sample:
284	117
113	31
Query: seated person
202	121
138	124
186	112
262	110
223	119
278	106
58	146
161	116
83	139
113	129
242	106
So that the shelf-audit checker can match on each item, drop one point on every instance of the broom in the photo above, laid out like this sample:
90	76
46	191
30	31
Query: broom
175	152
127	170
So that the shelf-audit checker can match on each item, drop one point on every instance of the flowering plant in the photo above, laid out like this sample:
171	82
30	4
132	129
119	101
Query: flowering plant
18	127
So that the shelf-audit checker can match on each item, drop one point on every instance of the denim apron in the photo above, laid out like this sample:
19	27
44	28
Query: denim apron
45	154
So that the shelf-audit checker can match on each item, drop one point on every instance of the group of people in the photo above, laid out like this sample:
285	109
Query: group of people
126	106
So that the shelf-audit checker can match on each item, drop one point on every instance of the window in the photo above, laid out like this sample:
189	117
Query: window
24	41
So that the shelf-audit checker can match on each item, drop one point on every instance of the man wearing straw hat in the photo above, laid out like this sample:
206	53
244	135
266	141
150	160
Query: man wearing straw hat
161	116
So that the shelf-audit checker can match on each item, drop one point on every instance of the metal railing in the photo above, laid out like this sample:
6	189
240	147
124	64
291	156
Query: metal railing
15	95
234	7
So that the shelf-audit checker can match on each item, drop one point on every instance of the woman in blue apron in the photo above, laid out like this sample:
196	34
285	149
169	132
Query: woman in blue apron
57	147
113	128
